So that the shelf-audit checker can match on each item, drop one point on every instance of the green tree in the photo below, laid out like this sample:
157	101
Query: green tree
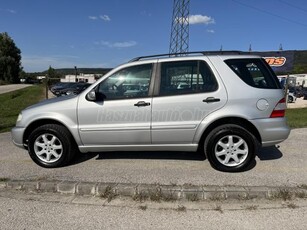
53	76
10	59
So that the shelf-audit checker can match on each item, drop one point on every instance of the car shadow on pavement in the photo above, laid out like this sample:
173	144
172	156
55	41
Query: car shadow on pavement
144	155
264	154
152	155
82	157
269	153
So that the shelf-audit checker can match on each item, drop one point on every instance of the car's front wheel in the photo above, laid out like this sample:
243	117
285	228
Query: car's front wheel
230	148
51	146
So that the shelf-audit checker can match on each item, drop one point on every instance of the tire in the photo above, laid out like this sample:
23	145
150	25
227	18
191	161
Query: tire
290	99
51	146
230	148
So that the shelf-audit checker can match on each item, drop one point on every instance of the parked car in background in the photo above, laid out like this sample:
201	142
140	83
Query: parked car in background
291	97
232	104
304	93
59	86
71	88
299	91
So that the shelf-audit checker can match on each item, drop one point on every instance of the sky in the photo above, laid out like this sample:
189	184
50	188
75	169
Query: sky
106	33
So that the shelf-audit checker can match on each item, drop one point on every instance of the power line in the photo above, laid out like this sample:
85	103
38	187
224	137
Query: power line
269	13
293	6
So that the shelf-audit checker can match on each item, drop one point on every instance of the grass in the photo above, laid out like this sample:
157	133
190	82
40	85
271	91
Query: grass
297	118
181	208
303	186
155	195
218	208
143	207
284	194
251	207
13	102
108	194
292	205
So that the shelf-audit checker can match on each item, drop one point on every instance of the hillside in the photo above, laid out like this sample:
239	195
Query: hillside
68	71
300	62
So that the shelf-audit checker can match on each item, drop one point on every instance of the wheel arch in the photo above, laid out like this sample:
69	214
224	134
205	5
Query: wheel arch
229	120
37	123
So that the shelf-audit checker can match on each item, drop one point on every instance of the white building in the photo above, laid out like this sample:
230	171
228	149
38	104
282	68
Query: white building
90	78
294	79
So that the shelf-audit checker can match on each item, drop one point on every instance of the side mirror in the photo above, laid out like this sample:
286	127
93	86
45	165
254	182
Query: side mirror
91	96
95	96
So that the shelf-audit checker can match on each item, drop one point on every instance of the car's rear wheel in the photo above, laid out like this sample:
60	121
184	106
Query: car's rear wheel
230	148
51	146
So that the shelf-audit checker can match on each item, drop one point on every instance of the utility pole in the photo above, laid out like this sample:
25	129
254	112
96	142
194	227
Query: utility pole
179	42
76	74
46	82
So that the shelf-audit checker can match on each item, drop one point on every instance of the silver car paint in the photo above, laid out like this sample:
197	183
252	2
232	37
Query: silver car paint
95	130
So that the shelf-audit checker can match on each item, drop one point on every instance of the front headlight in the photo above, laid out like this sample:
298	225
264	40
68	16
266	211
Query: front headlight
19	118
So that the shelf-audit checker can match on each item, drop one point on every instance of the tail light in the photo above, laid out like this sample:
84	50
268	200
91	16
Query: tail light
280	109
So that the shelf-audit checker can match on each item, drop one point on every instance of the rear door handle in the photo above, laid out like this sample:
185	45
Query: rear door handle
211	100
142	103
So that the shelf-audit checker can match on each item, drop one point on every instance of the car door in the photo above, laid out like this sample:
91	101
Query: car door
124	116
186	92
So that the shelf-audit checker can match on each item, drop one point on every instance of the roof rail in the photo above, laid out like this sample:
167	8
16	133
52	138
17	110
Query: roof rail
189	53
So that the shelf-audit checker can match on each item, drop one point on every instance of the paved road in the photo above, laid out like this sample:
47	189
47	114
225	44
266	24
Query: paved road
286	166
53	211
13	87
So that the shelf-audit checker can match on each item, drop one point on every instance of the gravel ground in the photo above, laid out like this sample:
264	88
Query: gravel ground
9	88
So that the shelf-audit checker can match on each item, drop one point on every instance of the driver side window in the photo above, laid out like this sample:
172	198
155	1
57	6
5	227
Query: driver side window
131	82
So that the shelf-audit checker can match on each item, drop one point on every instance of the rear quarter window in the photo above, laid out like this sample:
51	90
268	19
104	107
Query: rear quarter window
254	72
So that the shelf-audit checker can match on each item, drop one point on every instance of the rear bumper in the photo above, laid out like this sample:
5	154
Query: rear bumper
272	130
17	136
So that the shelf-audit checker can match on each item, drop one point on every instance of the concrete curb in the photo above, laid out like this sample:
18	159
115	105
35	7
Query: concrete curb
155	192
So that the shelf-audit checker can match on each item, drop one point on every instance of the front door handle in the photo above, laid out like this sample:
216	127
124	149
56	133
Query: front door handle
142	103
211	100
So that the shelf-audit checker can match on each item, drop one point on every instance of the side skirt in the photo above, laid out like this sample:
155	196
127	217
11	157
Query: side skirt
156	147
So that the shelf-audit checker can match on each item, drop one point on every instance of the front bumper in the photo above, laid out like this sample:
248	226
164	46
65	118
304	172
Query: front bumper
17	136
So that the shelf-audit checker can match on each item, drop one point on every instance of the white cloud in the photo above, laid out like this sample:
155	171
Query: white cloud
197	19
145	13
211	31
201	19
9	11
92	17
105	17
125	44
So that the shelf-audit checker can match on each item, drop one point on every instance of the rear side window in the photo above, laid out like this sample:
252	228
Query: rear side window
186	77
254	72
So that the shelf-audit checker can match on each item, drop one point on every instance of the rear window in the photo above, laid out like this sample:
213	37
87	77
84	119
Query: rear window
254	72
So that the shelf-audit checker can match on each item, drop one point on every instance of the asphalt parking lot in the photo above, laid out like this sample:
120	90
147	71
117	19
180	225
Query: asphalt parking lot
283	166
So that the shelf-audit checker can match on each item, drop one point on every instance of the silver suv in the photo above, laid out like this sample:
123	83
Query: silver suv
224	105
